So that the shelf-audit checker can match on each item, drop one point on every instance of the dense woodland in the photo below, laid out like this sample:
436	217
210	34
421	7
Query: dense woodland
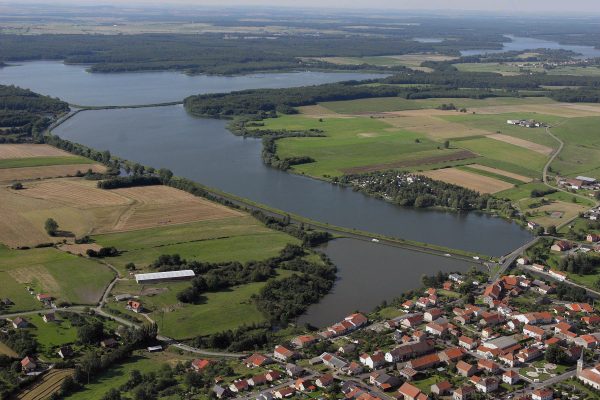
25	114
424	192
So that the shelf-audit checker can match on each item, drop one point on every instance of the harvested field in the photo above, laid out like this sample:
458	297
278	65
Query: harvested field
49	384
30	274
556	213
501	172
76	193
526	144
30	150
49	171
435	128
455	156
163	205
469	180
79	249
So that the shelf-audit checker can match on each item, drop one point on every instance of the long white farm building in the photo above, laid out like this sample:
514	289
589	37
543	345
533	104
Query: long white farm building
164	276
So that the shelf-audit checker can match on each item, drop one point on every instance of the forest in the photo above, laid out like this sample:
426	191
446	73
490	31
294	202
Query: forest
25	114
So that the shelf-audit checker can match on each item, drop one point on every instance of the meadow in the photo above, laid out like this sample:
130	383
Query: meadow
518	68
68	278
43	161
581	154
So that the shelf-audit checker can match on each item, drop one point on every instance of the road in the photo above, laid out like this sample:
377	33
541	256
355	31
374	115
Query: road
592	292
507	260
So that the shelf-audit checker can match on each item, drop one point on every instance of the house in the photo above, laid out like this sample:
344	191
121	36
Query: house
273	375
347	348
28	364
485	384
412	321
284	393
534	332
199	364
65	352
590	376
20	323
424	362
408	305
123	297
467	342
257	360
509	359
294	370
452	354
559	275
282	353
592	238
239	386
580	307
357	320
221	392
463	393
433	314
488	366
587	341
542	394
165	276
511	377
532	225
411	392
384	381
134	306
109	343
354	369
304	385
373	361
409	350
324	381
561	245
528	354
303	341
465	369
332	361
50	317
441	388
457	278
591	320
436	329
43	297
408	373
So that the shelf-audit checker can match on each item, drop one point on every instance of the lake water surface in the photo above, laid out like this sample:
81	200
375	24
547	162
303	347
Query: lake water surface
205	151
524	43
369	273
74	84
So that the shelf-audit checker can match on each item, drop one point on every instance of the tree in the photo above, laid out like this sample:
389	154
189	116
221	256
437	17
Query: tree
112	394
16	186
552	230
539	231
90	333
165	175
446	144
51	227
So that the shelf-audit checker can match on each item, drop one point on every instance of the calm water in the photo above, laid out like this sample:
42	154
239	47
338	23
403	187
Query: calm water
74	84
205	151
523	43
369	273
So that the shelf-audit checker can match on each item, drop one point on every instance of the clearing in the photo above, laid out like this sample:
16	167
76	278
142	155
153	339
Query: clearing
469	180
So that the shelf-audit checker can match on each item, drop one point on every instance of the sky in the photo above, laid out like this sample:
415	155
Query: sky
508	6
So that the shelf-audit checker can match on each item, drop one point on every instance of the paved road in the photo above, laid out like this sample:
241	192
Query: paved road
510	258
592	292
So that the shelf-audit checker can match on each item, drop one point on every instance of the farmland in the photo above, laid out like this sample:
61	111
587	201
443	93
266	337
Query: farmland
473	181
412	61
518	68
49	171
43	389
66	277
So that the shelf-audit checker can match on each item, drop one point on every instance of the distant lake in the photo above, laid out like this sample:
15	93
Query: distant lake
524	43
75	85
205	151
429	40
369	273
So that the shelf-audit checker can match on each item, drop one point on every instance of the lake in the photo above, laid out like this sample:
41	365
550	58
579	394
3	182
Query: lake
369	273
72	83
205	151
524	43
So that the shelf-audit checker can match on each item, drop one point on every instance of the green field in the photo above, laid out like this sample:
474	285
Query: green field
220	311
386	104
513	68
51	335
496	153
68	278
581	154
231	239
350	142
43	161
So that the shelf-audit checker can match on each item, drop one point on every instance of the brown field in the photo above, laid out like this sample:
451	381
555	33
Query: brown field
543	214
29	150
526	144
435	128
497	171
455	156
49	384
469	180
29	274
82	209
50	171
7	351
163	205
567	110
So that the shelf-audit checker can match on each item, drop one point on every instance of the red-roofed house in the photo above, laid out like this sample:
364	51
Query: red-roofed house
441	388
200	364
534	332
303	341
511	377
467	342
284	354
28	364
409	391
257	360
542	394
